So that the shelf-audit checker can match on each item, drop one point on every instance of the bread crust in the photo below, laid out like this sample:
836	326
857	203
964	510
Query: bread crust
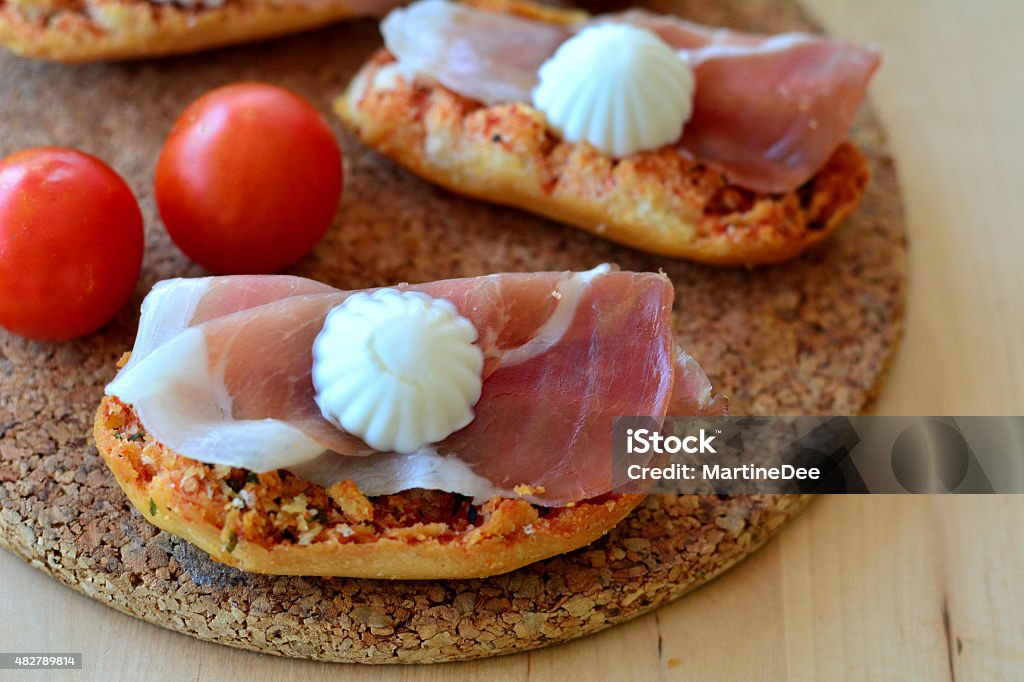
77	31
658	201
338	532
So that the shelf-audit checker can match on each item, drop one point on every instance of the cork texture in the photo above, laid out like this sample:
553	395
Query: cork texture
813	336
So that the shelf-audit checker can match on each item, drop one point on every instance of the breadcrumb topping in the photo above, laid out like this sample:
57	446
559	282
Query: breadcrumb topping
277	508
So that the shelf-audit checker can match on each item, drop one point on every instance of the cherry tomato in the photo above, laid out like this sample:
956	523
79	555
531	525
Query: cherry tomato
249	179
71	243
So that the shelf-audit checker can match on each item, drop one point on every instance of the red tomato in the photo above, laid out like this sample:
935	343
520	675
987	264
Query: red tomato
71	243
249	179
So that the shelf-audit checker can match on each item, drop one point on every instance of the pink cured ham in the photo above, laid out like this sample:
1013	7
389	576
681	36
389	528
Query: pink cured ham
769	111
221	372
487	56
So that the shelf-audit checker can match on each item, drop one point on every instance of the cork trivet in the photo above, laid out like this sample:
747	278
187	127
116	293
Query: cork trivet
813	336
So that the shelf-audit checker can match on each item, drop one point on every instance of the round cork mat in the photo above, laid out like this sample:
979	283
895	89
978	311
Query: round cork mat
812	336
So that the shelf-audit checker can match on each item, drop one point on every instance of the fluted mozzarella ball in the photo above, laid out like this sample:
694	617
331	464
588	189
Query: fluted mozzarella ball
618	87
398	369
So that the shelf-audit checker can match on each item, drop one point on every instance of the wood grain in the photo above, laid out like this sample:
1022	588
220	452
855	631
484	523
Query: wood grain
858	587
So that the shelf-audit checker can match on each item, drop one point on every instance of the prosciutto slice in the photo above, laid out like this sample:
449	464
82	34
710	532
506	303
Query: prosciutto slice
488	56
221	372
769	111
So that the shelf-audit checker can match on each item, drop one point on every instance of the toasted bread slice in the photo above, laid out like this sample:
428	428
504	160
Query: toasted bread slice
277	523
658	201
93	30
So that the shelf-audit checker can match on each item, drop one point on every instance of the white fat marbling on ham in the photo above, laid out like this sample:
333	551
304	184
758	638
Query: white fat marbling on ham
389	473
167	310
221	374
769	111
568	295
192	403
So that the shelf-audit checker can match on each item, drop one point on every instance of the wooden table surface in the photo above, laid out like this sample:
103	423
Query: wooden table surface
880	587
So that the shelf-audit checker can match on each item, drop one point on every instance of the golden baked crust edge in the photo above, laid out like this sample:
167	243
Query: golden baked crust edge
510	537
129	29
657	201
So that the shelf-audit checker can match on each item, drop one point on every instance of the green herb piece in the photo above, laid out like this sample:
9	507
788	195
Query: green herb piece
135	437
251	477
152	507
232	542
